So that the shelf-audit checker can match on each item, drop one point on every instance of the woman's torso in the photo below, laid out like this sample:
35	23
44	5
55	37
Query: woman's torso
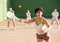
39	24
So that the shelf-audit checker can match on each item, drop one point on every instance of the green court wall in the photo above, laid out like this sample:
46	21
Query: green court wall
21	6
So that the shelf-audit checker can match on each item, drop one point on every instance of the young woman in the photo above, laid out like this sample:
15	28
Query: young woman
39	24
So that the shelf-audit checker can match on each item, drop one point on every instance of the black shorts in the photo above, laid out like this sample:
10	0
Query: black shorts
42	36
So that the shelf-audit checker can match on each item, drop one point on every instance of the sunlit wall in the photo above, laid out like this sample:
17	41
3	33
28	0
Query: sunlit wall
3	9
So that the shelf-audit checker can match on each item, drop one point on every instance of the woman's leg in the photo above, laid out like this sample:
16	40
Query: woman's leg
39	40
8	23
52	21
46	40
57	22
13	23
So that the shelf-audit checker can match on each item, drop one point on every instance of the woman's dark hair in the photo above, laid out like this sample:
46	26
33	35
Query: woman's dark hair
38	9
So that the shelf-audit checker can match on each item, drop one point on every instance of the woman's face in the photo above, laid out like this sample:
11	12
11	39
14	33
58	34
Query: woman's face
39	13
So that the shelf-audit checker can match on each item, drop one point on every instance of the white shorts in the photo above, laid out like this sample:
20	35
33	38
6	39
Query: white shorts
11	19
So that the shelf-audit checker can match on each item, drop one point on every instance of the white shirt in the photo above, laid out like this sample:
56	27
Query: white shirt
11	15
55	14
28	16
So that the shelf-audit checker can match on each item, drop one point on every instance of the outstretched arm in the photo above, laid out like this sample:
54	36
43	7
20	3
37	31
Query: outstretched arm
30	21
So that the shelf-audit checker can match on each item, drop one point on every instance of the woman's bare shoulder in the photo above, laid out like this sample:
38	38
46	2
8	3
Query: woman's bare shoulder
44	18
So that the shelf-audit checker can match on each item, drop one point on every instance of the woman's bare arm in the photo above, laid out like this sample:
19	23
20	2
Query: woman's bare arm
30	21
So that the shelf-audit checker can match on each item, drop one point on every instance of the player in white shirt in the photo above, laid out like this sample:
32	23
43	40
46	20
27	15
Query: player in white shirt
28	15
55	15
11	17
